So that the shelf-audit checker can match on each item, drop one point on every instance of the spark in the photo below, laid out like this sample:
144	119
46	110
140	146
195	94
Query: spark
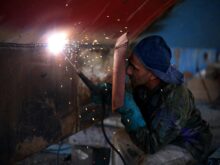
57	42
95	41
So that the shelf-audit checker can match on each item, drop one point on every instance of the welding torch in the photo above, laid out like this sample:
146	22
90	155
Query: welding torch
95	89
92	87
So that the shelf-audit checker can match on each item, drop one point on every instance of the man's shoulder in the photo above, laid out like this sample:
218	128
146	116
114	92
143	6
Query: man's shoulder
178	95
173	90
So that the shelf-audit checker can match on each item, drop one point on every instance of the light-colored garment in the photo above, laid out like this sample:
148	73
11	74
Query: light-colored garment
168	155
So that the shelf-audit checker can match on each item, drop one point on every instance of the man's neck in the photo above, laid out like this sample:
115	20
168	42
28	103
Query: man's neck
153	84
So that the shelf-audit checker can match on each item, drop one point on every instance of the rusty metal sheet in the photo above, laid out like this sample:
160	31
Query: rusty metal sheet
42	102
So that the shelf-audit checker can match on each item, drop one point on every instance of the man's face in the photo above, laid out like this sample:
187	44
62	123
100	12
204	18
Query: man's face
137	73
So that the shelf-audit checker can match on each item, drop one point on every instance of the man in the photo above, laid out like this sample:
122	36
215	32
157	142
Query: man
160	117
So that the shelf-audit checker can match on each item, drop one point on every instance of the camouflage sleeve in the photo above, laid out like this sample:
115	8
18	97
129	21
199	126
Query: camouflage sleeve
168	122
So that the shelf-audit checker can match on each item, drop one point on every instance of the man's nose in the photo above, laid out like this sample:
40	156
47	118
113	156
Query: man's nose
129	70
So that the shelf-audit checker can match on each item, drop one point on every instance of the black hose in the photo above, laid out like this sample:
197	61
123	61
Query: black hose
98	91
95	90
104	132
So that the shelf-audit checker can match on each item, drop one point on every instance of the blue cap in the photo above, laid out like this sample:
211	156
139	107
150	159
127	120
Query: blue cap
155	54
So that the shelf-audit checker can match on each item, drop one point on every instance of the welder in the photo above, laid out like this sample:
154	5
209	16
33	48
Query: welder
162	124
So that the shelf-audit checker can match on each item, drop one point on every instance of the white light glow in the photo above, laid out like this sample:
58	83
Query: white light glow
57	42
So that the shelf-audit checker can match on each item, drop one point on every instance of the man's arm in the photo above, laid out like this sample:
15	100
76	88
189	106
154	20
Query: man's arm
168	123
131	116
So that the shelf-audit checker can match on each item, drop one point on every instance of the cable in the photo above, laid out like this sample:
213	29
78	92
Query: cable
86	81
22	45
104	132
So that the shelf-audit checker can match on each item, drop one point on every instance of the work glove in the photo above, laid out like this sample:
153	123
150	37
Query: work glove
131	116
102	94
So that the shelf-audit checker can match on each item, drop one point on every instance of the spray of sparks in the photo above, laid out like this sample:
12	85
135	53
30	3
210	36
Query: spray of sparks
87	56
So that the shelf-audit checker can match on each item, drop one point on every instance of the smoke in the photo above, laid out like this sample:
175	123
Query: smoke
96	64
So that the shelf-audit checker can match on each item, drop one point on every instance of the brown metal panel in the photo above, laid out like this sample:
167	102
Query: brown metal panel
41	102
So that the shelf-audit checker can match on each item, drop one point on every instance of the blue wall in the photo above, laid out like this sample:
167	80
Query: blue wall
191	24
192	60
192	27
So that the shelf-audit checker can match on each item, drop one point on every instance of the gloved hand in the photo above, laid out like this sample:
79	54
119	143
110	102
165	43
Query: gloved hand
131	116
102	93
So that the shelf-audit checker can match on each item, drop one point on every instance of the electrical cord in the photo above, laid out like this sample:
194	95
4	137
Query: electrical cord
92	88
104	132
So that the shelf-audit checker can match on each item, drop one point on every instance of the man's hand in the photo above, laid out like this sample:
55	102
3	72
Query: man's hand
102	94
131	116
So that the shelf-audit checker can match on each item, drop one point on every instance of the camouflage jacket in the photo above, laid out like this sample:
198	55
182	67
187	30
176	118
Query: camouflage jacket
171	118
